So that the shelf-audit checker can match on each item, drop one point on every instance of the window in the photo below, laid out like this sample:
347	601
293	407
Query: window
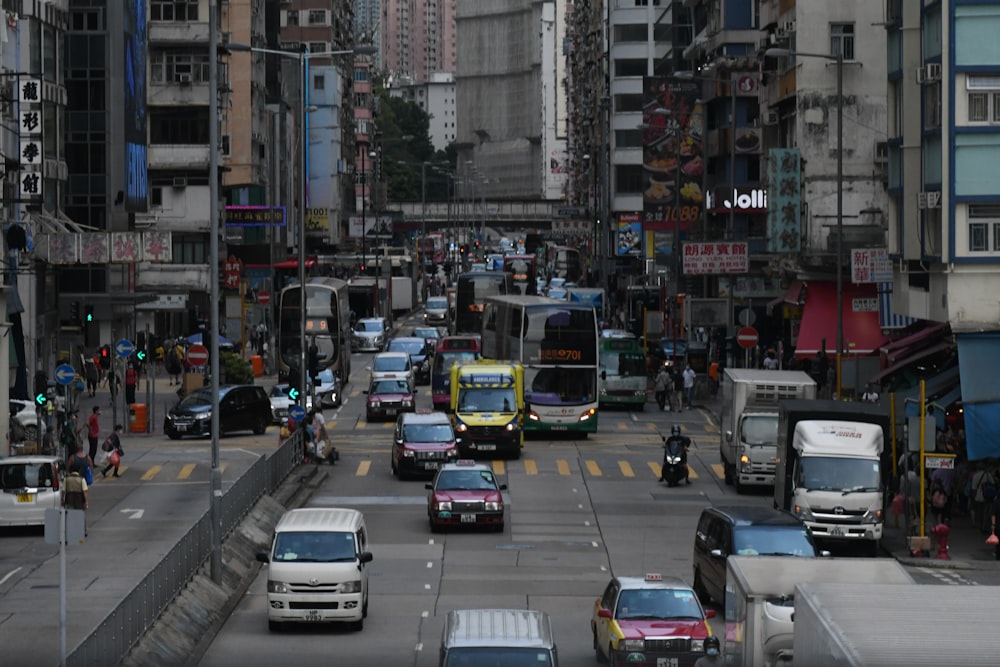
629	178
984	228
983	98
173	10
189	248
633	32
226	145
167	67
932	106
630	67
319	82
842	40
628	138
317	17
292	17
629	102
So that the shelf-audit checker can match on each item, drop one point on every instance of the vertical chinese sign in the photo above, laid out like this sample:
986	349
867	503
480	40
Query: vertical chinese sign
672	157
784	194
29	98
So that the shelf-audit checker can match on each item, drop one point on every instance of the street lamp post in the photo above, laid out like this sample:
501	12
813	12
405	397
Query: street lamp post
303	58
838	59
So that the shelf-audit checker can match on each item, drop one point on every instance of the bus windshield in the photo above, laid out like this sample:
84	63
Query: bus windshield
624	364
560	386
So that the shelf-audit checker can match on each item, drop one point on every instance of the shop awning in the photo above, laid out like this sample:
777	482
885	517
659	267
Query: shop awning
898	349
791	296
862	333
903	363
938	405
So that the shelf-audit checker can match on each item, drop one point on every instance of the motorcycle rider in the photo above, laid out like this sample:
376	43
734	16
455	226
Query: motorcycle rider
683	442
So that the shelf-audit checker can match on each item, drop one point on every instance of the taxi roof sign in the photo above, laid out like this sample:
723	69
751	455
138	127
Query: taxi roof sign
654	576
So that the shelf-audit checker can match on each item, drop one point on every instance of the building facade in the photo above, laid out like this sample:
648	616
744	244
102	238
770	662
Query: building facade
417	40
437	98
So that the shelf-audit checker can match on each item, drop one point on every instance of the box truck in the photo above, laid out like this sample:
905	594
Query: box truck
748	439
832	467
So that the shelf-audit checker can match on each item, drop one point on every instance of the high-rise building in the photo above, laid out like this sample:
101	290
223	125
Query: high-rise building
417	39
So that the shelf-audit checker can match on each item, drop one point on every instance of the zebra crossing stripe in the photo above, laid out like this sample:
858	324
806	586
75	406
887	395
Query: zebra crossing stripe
626	468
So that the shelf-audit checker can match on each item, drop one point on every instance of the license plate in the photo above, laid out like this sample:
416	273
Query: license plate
559	428
181	427
313	616
25	497
390	412
430	465
666	662
836	530
468	518
486	448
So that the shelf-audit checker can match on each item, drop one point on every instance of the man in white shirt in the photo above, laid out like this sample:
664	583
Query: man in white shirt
870	395
689	376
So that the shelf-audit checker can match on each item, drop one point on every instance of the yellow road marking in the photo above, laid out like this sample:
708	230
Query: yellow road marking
719	470
499	468
655	467
389	425
330	425
593	468
650	426
186	471
623	426
562	465
626	469
363	468
151	473
530	467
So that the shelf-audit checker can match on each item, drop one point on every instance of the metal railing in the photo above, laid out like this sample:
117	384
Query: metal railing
116	634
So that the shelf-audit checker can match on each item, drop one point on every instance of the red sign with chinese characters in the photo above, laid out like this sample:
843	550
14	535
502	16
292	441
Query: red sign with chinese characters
233	268
716	258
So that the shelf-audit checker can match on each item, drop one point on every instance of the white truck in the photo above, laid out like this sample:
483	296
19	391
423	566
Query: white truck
748	439
884	625
832	469
760	600
402	294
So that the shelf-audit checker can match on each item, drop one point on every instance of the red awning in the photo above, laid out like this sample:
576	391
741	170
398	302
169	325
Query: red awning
926	352
862	331
898	348
793	296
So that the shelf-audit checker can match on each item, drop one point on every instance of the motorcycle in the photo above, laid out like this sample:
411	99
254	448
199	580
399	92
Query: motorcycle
674	462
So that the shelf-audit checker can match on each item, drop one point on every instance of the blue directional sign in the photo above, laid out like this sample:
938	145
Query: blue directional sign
65	374
124	348
296	413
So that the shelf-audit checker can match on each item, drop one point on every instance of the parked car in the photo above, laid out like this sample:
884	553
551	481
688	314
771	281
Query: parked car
744	531
241	408
465	493
420	356
389	397
25	426
28	486
369	334
436	310
421	443
391	365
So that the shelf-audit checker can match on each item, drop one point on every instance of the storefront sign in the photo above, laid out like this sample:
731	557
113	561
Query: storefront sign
870	265
747	200
864	305
716	258
784	175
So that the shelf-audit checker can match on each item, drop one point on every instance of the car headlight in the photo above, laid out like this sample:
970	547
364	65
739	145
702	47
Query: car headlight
351	586
408	453
277	587
451	453
493	507
374	404
634	644
407	403
443	506
203	416
640	392
512	426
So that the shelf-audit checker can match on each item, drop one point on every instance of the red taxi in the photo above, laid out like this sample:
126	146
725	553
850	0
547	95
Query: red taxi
465	493
649	621
422	443
388	398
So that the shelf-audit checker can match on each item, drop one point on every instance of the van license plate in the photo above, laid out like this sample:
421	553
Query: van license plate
25	497
486	448
666	662
468	518
836	530
313	616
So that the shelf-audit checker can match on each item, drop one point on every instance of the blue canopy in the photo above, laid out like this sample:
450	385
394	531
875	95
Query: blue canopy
195	339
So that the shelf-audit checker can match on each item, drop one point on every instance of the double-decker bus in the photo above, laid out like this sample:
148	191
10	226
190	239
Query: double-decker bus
328	326
471	291
623	372
557	344
523	272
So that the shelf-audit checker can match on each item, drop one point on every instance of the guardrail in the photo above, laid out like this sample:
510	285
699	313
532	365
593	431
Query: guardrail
111	641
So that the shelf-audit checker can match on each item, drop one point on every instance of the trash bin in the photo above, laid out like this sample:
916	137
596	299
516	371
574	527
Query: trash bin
257	362
137	417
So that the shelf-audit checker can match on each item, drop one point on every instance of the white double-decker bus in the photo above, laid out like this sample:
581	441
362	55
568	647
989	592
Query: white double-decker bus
557	343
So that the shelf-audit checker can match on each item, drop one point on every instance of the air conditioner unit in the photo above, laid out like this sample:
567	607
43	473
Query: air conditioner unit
881	152
921	75
183	77
933	72
180	182
929	199
769	118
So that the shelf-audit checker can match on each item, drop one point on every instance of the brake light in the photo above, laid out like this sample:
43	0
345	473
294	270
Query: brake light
55	479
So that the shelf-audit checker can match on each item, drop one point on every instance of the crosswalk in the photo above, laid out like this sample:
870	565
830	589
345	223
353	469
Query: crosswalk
591	468
166	472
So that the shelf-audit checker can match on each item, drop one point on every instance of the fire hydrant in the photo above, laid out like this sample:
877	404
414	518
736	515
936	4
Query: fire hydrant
941	531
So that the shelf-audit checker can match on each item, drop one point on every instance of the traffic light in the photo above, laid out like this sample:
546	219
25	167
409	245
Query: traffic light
105	357
90	314
74	312
41	389
293	393
313	362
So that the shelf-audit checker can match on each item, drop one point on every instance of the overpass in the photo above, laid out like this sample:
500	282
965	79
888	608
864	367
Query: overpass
515	214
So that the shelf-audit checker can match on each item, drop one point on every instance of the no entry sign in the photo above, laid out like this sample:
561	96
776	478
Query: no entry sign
747	337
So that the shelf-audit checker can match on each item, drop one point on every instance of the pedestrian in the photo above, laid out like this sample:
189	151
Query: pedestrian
172	361
131	379
677	394
113	445
94	430
689	376
984	490
661	387
70	435
75	494
80	462
713	376
712	656
770	361
92	375
870	395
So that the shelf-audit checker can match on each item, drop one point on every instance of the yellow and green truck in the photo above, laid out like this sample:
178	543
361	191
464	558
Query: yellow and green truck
487	408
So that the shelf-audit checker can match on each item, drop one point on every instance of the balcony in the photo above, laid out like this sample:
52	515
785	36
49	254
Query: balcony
182	93
177	32
178	156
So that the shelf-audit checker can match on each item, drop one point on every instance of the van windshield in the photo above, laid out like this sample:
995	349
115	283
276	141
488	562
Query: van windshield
498	656
762	540
314	547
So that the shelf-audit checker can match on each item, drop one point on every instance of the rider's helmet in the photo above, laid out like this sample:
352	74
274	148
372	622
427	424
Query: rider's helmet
676	430
711	642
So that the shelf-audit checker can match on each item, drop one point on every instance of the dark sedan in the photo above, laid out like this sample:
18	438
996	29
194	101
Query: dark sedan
241	408
420	359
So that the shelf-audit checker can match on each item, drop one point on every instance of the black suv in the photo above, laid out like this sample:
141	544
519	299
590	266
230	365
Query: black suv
241	408
743	531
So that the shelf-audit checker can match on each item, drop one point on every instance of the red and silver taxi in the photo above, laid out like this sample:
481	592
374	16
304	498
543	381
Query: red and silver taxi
465	493
649	621
422	443
388	398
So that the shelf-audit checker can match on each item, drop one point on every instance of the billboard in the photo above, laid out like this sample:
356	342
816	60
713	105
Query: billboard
784	207
134	121
672	158
629	235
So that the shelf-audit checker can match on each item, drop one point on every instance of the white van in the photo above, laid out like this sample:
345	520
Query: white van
489	637
316	568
